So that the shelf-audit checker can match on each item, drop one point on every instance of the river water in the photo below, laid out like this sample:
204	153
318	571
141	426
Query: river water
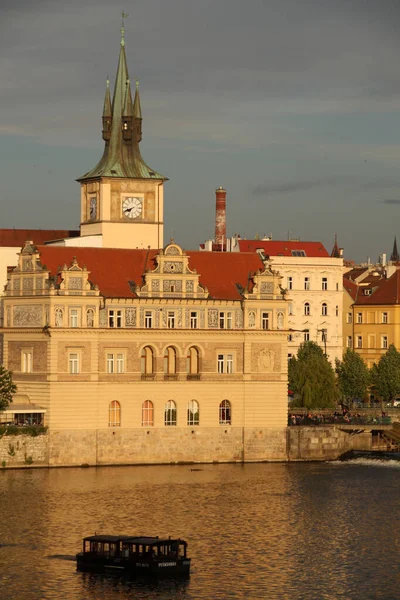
296	531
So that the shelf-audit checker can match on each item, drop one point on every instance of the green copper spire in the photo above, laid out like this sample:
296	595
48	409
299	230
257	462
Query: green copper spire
122	130
107	101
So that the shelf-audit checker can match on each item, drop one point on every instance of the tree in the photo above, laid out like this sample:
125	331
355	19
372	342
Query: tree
312	378
385	375
353	376
7	388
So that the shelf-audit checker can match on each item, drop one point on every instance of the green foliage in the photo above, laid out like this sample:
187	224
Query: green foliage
28	459
32	430
385	375
3	464
11	449
353	376
312	378
7	388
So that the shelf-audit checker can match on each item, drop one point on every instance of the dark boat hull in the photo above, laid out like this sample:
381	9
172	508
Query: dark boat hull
169	569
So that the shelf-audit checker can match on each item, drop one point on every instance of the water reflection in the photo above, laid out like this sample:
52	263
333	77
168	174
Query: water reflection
254	531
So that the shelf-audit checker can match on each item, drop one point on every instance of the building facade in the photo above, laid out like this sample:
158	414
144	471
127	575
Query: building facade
141	356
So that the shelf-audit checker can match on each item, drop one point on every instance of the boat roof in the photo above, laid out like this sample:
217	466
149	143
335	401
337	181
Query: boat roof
129	539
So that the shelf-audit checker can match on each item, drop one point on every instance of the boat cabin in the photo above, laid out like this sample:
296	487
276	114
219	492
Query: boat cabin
137	548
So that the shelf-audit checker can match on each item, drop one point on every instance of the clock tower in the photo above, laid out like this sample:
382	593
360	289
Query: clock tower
122	197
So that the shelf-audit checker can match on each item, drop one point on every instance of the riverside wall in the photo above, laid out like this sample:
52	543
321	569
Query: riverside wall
73	448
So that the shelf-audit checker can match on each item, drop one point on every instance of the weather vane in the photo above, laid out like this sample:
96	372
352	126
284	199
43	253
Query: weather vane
124	16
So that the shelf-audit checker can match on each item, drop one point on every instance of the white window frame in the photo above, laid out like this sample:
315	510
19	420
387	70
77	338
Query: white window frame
171	319
74	363
384	342
26	360
324	309
193	320
74	317
290	283
324	283
148	319
225	319
349	341
265	320
307	283
306	336
307	309
359	318
115	362
385	318
225	363
349	318
115	318
359	341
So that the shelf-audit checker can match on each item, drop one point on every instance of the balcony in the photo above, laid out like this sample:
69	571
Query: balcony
171	377
193	377
148	376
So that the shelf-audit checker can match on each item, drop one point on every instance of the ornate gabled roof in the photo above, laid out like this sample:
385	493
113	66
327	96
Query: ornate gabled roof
335	250
121	156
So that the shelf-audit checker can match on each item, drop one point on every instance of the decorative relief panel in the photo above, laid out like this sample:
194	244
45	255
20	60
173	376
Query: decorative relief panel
173	267
17	284
27	316
266	360
202	319
39	283
190	286
179	317
238	319
163	317
172	250
187	318
75	283
130	317
267	287
252	319
172	283
27	284
103	317
59	316
90	312
155	285
212	318
8	316
141	318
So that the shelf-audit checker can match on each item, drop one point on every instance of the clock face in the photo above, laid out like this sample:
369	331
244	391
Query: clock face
132	207
93	207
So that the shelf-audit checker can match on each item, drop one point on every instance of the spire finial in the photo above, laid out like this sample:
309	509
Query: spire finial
137	83
124	16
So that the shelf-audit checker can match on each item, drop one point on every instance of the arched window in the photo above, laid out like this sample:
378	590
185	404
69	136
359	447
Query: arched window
225	416
193	363
114	414
307	308
170	413
324	309
193	415
147	363
147	414
170	363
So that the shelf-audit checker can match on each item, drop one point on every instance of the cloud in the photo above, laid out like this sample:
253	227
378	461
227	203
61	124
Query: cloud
390	201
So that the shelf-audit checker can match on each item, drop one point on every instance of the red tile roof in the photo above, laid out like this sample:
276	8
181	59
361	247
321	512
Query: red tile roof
17	237
385	291
112	269
350	287
283	248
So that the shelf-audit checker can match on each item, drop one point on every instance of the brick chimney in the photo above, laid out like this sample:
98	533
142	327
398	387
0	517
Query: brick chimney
220	218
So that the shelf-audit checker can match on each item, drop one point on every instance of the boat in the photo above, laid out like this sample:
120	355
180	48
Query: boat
139	556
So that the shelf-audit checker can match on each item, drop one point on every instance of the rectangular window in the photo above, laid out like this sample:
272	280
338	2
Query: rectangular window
225	320
384	342
324	283
385	317
290	338
306	336
115	318
225	363
349	317
26	361
359	341
115	363
359	318
349	341
148	319
290	283
337	310
73	317
265	320
73	360
306	283
290	309
193	320
171	319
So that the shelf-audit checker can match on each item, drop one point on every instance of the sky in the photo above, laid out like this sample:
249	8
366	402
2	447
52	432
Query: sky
292	105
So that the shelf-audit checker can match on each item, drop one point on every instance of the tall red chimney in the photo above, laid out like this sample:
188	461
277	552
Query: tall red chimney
220	218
